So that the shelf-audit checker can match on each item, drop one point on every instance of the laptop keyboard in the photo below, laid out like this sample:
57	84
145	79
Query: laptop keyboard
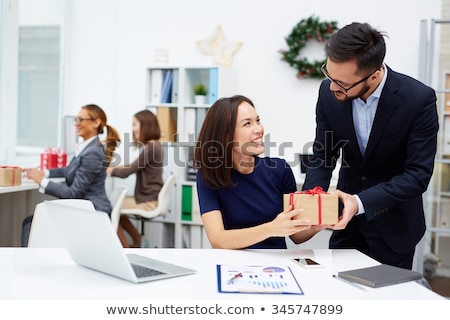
142	272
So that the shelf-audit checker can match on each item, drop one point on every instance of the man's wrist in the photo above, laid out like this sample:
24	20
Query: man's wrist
360	205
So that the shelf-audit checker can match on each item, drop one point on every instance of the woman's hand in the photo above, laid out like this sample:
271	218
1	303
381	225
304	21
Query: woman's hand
285	223
109	170
34	174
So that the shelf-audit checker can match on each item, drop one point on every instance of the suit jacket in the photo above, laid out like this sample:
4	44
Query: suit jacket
398	163
85	177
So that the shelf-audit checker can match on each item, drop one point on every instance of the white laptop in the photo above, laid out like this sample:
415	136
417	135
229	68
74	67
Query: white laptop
93	243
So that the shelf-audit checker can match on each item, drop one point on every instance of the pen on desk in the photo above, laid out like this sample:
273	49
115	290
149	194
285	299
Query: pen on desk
349	282
235	277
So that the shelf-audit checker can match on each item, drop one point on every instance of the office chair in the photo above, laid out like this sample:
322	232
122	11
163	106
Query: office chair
163	205
117	196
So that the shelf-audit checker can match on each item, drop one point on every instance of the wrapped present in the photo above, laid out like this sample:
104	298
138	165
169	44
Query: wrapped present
318	206
53	158
10	176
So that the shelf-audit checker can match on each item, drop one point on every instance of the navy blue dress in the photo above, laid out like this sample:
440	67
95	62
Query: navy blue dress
257	197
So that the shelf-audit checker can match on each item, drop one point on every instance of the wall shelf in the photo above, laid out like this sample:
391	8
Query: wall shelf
170	95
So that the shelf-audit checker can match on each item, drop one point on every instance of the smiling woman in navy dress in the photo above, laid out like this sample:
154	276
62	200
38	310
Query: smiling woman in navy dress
241	194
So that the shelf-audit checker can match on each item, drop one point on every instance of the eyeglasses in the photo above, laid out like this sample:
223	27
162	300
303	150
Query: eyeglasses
325	73
80	119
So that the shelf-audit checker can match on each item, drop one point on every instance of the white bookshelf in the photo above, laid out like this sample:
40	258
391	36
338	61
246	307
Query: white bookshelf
180	119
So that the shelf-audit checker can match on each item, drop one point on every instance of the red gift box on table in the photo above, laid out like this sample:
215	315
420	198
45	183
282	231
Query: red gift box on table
319	207
10	176
53	158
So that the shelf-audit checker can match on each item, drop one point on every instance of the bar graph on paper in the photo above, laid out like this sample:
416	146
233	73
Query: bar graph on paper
257	279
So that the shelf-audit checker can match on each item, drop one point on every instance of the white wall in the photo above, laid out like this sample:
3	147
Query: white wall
111	42
42	12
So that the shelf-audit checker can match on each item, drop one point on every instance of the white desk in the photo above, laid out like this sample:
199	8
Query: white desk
51	274
26	185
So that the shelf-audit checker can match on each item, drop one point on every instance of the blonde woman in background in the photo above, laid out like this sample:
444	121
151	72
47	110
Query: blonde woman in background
85	175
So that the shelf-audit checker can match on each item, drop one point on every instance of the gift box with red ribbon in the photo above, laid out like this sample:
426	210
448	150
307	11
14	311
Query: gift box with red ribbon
319	207
53	158
10	176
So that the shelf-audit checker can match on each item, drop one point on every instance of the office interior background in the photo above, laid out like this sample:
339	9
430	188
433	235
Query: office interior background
58	55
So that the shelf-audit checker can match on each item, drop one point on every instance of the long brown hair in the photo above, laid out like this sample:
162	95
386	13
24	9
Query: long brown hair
213	154
150	129
112	136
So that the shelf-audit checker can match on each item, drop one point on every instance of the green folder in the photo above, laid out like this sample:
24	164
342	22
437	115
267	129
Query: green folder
186	203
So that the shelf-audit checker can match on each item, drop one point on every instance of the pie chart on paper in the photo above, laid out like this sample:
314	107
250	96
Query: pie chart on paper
273	269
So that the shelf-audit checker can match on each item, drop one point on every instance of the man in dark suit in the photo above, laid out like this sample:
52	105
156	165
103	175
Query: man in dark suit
384	126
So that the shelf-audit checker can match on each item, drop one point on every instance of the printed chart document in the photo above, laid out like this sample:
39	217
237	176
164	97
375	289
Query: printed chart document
257	279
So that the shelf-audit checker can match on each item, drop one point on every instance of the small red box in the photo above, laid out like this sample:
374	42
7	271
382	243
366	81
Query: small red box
53	158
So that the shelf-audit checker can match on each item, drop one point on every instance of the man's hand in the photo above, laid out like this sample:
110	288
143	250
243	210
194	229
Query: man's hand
350	209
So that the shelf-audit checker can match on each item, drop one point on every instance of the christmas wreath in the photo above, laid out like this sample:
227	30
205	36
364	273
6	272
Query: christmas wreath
305	30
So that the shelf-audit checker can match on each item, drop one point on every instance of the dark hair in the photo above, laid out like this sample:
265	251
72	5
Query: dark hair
150	129
359	42
112	136
213	154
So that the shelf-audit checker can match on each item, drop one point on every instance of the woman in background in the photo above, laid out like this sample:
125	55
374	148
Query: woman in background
241	194
85	174
148	168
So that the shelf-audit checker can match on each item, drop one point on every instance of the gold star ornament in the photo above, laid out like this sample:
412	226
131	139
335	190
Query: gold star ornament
219	48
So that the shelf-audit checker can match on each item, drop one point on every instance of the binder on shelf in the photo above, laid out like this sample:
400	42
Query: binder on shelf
443	218
196	236
213	85
166	92
189	125
190	209
170	214
186	203
196	216
167	122
174	98
199	118
156	82
446	133
191	172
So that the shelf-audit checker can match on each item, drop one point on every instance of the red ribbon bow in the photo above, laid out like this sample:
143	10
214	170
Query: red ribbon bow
48	150
51	150
316	190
